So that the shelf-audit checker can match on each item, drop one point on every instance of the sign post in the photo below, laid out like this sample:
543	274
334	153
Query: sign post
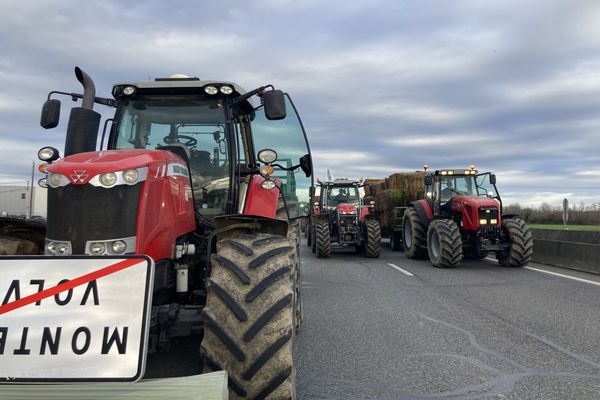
565	214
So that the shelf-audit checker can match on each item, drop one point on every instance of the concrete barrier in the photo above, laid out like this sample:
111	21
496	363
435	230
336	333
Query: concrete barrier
579	250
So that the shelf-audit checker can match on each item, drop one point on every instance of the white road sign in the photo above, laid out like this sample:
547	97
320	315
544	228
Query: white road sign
74	319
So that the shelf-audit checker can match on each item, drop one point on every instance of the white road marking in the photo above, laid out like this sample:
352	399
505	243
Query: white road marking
563	276
405	272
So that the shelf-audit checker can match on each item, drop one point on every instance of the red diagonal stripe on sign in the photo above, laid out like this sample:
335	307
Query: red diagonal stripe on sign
82	280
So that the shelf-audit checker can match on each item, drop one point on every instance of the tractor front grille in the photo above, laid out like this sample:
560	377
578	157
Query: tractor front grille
78	213
488	213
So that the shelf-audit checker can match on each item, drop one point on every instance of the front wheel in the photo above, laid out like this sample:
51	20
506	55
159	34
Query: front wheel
521	243
444	243
414	234
373	240
249	322
322	239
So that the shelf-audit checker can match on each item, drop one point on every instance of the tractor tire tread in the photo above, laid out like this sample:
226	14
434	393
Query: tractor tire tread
450	247
373	247
418	250
257	353
323	240
521	249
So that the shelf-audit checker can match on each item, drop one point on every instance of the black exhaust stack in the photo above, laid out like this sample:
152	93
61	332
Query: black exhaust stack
82	131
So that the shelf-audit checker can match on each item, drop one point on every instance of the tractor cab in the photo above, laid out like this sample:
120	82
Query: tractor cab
442	187
218	133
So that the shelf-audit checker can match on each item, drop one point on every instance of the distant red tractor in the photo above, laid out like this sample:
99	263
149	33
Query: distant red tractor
341	217
462	216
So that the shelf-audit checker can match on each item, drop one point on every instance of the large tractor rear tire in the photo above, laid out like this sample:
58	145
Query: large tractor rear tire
323	239
373	247
249	322
444	243
521	248
414	234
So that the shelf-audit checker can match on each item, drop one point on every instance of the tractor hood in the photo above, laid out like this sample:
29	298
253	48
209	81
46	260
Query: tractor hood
474	210
460	201
80	168
346	208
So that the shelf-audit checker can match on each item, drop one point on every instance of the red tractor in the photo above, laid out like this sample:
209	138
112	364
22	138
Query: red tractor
341	217
185	175
462	216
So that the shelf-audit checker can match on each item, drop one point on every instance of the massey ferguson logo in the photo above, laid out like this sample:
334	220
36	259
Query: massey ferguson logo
79	176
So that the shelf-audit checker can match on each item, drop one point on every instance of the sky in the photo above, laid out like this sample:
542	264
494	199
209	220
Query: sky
381	86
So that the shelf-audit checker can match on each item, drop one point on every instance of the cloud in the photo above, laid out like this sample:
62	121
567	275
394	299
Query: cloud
382	86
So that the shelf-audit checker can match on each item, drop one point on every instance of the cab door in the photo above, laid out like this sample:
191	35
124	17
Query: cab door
288	138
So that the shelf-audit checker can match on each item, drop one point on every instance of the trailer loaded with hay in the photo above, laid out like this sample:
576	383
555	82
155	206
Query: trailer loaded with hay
391	197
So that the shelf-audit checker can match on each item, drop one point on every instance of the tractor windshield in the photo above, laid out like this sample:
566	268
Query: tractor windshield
191	127
342	194
452	185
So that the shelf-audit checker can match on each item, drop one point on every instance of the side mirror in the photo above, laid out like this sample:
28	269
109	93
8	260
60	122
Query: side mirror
428	180
274	102
493	179
306	165
50	114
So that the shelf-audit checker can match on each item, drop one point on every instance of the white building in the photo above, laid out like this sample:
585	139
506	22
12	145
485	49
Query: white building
16	200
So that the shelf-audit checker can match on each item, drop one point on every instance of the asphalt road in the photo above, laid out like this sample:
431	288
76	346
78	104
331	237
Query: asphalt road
480	331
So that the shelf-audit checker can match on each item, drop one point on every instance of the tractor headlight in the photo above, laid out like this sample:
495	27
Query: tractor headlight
48	154
493	221
483	222
226	89
119	247
108	179
126	177
129	90
57	180
211	90
131	176
58	248
268	185
97	248
267	156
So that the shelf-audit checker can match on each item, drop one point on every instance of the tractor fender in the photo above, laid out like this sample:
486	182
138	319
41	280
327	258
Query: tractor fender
365	214
260	201
323	216
228	225
423	210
